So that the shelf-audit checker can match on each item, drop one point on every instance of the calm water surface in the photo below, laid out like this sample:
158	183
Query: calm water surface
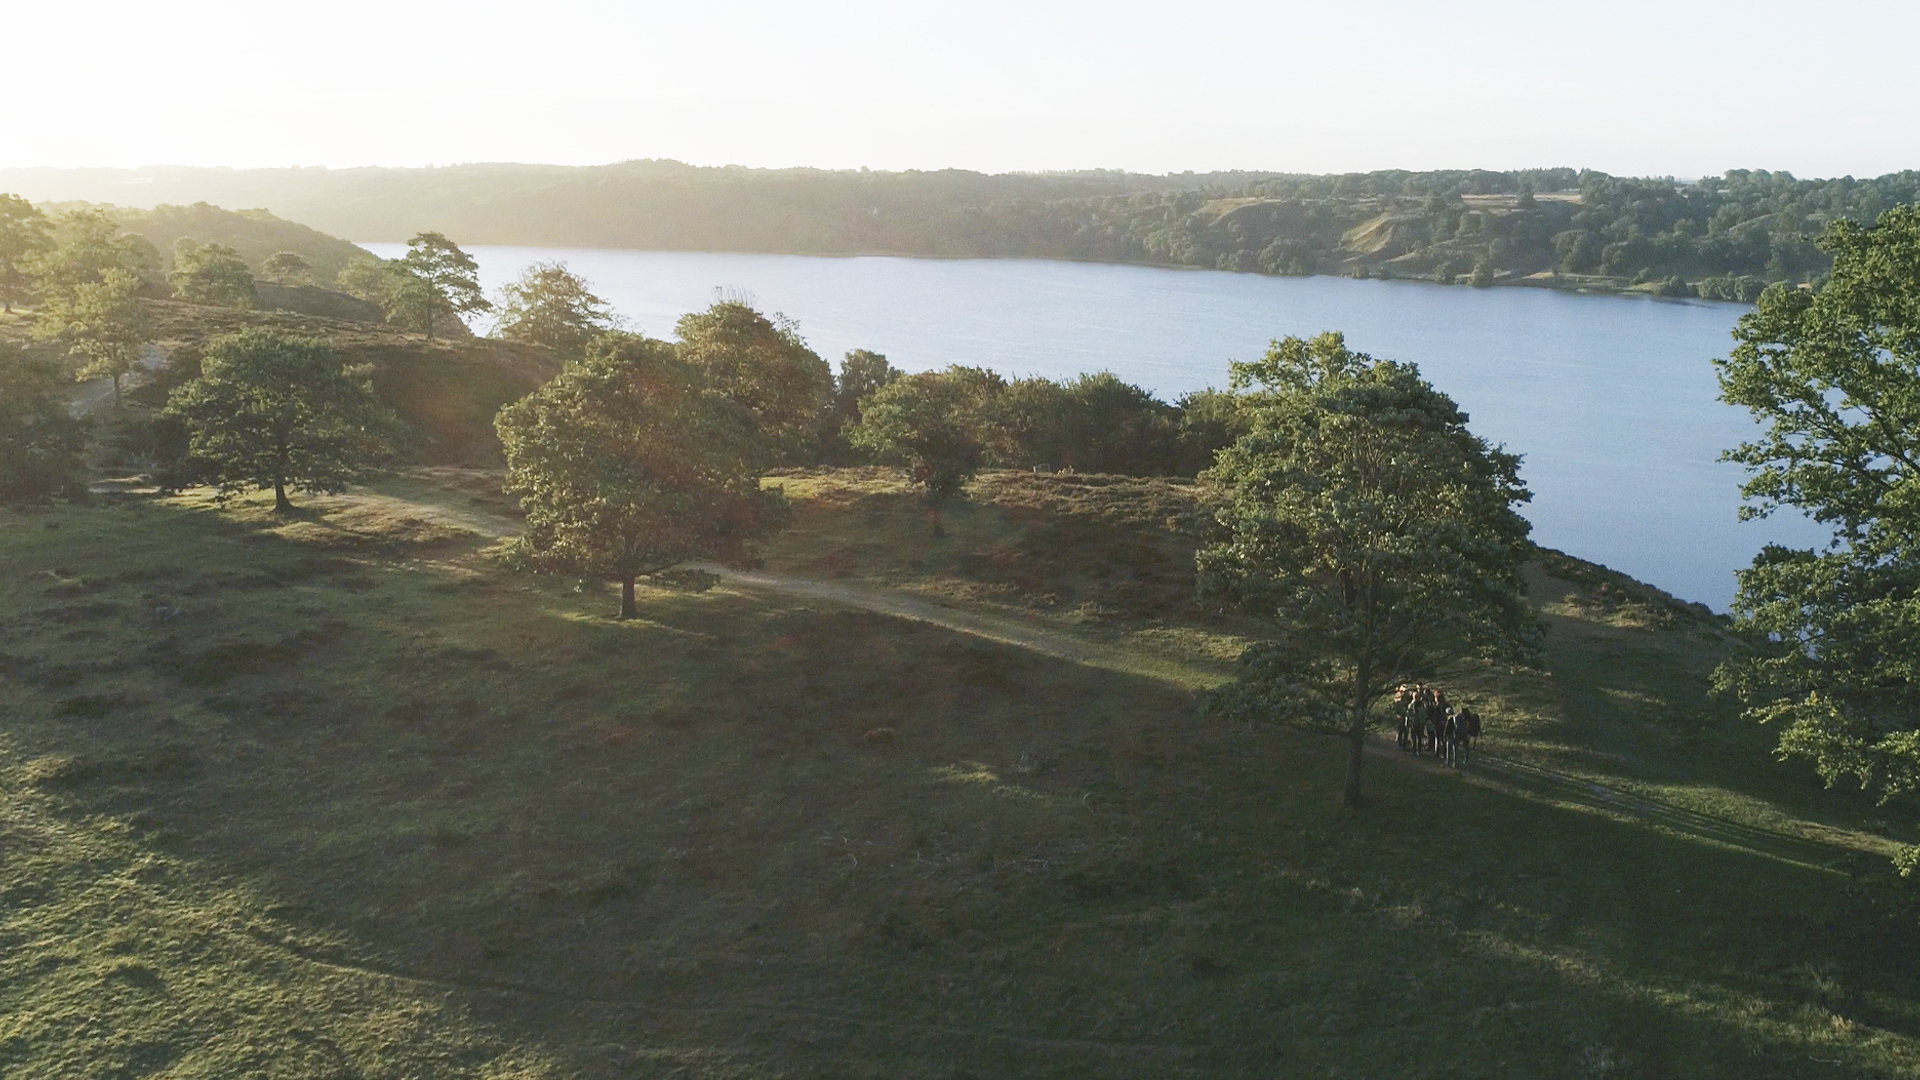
1611	400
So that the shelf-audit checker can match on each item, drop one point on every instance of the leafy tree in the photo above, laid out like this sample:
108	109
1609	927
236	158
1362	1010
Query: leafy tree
764	365
1482	277
366	277
1210	420
436	278
40	444
861	373
90	245
552	306
211	274
272	410
24	233
287	268
1834	376
629	463
101	322
934	424
1096	422
1369	527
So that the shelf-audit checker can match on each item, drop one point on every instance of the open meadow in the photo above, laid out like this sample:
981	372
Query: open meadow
334	794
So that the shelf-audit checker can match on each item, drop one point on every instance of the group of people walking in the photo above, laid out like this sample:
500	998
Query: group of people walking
1429	725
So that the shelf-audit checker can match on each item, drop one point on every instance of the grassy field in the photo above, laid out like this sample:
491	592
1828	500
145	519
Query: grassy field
337	796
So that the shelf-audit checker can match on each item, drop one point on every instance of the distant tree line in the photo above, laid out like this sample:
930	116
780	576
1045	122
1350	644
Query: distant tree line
1469	226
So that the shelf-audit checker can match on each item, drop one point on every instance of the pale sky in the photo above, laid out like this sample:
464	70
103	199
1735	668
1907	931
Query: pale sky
1676	87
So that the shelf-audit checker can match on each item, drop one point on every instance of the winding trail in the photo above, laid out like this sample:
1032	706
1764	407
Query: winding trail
1501	771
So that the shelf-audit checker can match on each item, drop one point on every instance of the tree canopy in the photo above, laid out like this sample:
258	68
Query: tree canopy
436	279
862	371
211	274
1365	524
287	268
102	322
272	411
24	234
40	444
630	463
1834	376
89	245
932	424
764	365
551	305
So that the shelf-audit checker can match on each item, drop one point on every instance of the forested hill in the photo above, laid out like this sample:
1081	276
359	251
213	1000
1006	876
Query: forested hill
254	234
1724	236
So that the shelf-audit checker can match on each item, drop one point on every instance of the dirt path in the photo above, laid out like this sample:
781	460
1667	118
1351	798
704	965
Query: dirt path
1488	767
991	626
91	397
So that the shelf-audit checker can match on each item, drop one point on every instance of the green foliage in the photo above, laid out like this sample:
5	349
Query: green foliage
210	274
1093	423
861	373
256	234
40	444
1744	288
1363	522
1834	375
1752	222
631	462
553	307
287	268
275	411
89	246
446	280
100	321
933	423
1210	420
24	233
765	366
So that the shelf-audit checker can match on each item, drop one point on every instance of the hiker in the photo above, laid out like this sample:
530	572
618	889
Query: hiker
1436	720
1404	704
1467	725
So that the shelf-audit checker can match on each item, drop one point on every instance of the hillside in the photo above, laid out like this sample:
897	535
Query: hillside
1719	237
446	390
338	795
255	234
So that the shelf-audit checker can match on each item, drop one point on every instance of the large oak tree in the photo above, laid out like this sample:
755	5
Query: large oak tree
1375	535
271	411
631	462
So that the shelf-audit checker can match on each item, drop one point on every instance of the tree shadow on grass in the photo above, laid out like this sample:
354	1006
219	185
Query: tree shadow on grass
673	843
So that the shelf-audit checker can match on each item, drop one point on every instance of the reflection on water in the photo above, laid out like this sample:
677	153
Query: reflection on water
1610	399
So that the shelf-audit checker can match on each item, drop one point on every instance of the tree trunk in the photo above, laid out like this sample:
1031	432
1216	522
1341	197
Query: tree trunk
116	390
1357	737
280	503
939	529
628	609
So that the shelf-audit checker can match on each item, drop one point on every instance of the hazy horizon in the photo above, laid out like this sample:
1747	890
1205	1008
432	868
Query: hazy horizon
1651	90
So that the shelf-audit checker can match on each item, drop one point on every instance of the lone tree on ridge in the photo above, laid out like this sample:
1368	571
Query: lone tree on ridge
436	278
552	306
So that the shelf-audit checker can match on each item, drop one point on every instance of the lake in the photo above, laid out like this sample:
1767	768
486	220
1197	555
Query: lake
1611	400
